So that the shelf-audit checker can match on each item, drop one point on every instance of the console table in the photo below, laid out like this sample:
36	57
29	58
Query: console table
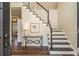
36	41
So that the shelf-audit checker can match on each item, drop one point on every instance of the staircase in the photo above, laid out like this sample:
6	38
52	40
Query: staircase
61	44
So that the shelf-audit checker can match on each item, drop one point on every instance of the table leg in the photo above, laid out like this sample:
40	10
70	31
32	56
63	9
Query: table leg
41	39
25	43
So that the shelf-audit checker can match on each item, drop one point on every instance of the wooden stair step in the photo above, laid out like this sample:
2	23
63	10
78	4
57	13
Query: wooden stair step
61	49
62	54
61	43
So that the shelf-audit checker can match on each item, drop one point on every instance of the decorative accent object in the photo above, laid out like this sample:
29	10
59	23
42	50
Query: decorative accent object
14	19
34	27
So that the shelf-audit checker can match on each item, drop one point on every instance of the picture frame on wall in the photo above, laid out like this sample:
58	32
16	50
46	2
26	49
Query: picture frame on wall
34	27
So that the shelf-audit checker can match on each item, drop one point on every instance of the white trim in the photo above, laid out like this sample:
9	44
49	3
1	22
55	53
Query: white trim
58	33
59	40
61	52
59	36
10	28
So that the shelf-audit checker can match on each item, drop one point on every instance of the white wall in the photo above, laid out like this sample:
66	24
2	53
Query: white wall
53	17
67	20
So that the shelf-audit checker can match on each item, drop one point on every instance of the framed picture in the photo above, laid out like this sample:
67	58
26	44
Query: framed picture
34	27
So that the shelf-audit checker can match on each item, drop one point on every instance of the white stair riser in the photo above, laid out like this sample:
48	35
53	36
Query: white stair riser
61	46
34	16
45	24
61	52
59	40
59	37
58	33
27	10
56	29
41	21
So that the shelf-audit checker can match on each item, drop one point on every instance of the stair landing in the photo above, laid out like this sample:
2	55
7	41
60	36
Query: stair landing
60	44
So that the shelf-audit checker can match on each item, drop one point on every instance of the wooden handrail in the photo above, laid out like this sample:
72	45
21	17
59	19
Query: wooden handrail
42	6
50	31
48	22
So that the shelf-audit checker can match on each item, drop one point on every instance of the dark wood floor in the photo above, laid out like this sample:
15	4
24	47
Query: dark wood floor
30	51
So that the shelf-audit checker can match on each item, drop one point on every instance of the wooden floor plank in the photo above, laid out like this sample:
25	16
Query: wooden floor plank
30	51
62	49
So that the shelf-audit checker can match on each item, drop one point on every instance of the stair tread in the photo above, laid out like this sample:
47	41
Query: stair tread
59	36
62	49
61	43
58	33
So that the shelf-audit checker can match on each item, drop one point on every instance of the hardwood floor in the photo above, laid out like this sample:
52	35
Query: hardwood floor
36	51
